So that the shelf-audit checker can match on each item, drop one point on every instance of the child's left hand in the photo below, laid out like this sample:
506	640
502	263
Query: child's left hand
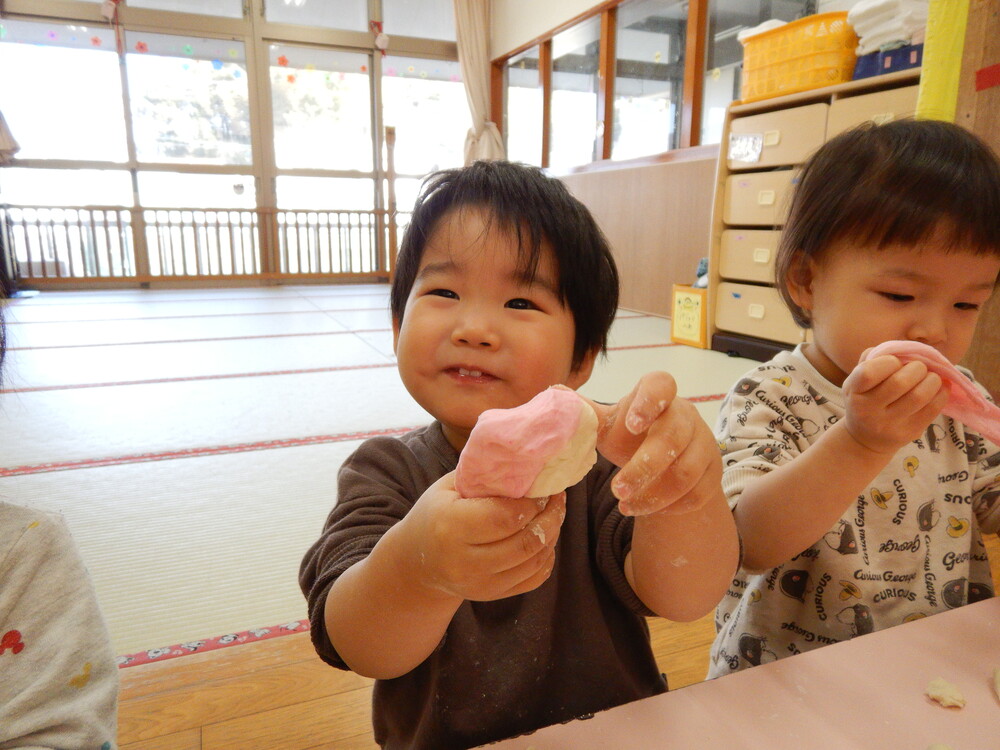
668	456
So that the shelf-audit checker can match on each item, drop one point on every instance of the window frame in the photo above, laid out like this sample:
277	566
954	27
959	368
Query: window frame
694	64
256	34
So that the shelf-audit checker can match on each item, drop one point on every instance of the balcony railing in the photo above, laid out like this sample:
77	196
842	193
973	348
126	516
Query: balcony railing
69	246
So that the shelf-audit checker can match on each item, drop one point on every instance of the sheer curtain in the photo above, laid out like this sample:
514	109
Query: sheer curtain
472	35
8	146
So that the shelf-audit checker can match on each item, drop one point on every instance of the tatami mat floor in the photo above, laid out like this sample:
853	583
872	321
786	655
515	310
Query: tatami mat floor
192	437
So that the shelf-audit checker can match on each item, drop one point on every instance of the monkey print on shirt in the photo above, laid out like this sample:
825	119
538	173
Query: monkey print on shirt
909	546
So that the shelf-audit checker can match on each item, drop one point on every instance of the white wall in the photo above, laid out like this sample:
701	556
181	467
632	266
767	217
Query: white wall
516	22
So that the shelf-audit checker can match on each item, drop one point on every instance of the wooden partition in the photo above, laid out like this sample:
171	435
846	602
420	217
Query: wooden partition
979	111
656	216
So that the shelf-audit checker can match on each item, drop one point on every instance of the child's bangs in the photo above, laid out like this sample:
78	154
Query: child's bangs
893	212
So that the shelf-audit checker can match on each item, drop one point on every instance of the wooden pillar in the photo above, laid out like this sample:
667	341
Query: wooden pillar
545	72
694	72
390	173
606	83
978	109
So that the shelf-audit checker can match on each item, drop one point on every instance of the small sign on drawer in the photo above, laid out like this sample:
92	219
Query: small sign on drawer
745	148
689	316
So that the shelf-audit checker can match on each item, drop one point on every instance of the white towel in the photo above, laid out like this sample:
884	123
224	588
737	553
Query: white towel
759	29
867	12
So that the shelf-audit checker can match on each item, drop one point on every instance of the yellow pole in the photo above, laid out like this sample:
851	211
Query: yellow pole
944	41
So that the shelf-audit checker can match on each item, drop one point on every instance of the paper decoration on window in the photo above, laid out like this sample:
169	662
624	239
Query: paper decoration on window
282	61
187	49
96	41
381	40
52	35
291	78
109	9
234	53
141	47
217	64
364	68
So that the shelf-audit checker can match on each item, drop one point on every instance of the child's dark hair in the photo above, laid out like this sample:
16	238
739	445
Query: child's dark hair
898	183
533	209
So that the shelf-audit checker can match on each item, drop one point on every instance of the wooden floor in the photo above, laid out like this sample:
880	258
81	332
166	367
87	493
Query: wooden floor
278	695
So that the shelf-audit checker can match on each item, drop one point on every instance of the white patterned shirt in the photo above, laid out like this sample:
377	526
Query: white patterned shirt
910	546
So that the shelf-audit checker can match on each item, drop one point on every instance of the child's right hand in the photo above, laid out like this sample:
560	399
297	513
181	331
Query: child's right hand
889	404
481	549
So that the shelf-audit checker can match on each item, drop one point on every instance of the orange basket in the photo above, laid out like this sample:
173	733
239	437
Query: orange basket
815	51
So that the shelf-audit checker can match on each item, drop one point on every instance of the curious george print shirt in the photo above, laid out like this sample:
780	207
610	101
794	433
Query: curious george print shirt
909	546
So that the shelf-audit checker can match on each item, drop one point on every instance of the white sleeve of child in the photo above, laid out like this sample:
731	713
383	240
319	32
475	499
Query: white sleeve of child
60	680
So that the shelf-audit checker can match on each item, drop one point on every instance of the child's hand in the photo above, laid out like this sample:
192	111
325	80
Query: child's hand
482	549
889	404
669	457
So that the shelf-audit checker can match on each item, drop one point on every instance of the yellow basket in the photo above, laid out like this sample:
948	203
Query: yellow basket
815	51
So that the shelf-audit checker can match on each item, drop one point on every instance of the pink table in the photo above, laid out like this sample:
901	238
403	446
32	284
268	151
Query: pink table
860	694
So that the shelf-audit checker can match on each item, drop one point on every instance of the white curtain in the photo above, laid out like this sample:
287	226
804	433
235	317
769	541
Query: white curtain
472	31
8	146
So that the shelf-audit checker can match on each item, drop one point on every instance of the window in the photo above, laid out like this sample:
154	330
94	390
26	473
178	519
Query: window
179	190
345	15
61	91
222	8
425	101
724	53
321	100
429	19
326	193
649	77
65	187
575	57
633	79
256	120
523	116
189	99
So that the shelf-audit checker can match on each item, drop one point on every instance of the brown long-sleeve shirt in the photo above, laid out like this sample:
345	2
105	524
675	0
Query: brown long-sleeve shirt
575	645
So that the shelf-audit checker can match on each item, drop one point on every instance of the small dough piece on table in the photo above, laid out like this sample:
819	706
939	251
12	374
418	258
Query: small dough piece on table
534	450
945	693
965	403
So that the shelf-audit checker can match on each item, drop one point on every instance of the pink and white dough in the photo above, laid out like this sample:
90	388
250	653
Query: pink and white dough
534	450
965	403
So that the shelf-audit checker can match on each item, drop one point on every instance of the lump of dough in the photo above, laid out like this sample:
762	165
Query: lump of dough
534	450
945	693
965	403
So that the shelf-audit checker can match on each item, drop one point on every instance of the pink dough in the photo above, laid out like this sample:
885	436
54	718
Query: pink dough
965	403
534	450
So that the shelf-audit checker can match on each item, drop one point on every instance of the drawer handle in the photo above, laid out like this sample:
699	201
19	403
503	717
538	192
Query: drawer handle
761	255
765	198
772	137
755	310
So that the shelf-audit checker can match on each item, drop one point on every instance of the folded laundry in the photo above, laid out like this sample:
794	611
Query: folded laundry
881	23
760	28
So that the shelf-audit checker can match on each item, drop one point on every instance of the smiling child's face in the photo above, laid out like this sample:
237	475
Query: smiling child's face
475	333
860	297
